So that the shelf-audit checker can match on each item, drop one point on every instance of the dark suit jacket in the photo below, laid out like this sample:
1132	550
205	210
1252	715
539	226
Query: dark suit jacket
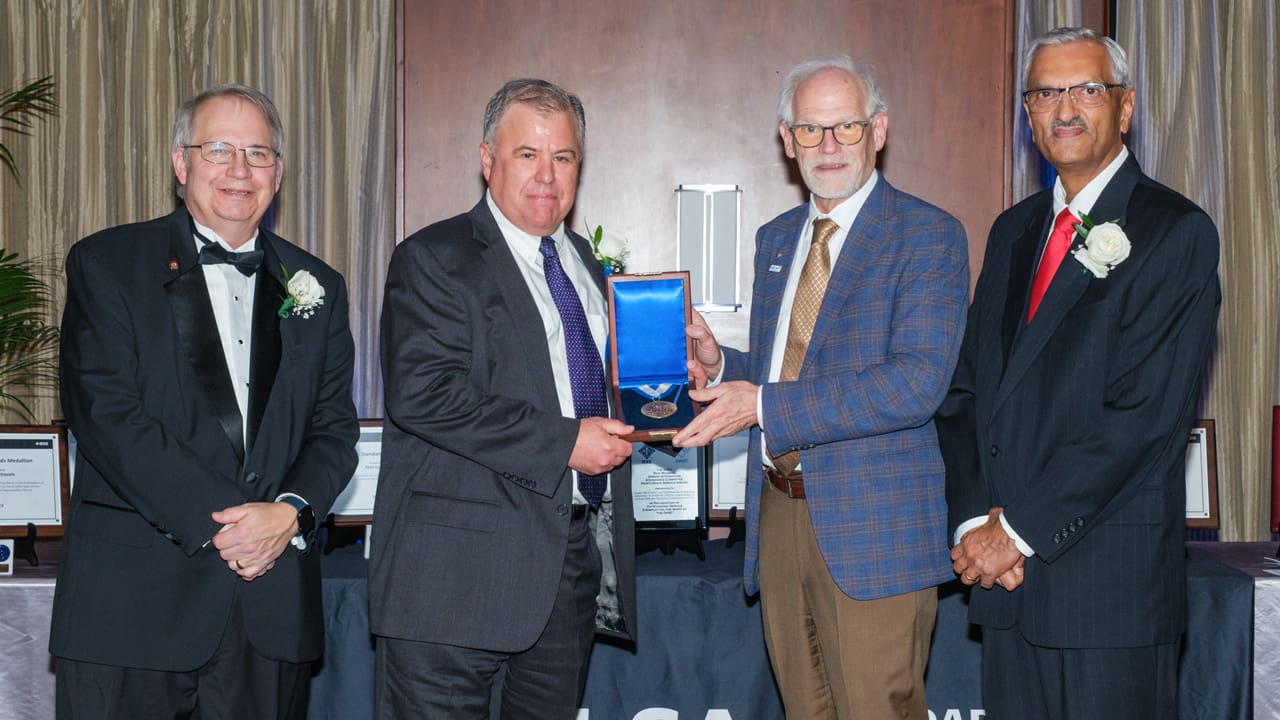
1077	423
472	516
861	411
146	391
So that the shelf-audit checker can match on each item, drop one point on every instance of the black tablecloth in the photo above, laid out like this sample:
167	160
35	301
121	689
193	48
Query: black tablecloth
701	650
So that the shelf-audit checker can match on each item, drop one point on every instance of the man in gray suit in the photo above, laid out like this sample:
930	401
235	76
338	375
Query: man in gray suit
503	523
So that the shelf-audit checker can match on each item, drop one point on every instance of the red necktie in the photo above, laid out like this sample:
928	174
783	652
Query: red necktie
1059	243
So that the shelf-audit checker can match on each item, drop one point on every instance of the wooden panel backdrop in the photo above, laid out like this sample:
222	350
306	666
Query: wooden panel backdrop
680	92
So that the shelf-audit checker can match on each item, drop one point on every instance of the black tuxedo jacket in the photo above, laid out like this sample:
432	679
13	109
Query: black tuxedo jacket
1077	423
146	390
472	517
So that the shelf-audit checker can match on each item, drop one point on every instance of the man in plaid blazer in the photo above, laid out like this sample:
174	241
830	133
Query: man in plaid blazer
845	547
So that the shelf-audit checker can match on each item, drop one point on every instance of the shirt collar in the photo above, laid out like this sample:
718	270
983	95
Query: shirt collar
1084	200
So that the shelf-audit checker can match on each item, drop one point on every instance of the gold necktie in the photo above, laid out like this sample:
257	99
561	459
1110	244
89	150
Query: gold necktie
804	314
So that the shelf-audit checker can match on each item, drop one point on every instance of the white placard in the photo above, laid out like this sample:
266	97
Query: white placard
1198	507
729	472
665	488
357	498
30	478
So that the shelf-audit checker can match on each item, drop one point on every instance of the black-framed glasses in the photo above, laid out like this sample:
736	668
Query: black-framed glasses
846	133
1090	94
220	153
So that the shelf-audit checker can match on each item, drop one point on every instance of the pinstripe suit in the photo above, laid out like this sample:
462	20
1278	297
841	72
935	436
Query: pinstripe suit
1077	423
860	412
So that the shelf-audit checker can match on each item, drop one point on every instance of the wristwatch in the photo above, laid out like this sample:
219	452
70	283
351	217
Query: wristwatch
306	521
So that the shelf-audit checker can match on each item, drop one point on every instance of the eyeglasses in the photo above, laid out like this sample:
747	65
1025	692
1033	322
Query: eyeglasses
845	133
220	153
1090	94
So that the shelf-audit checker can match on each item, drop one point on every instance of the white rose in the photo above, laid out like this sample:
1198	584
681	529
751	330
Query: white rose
1105	247
612	245
305	289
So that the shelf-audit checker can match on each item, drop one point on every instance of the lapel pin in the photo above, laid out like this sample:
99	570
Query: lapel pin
173	264
775	268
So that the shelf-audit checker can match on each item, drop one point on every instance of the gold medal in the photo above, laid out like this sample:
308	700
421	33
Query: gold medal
658	409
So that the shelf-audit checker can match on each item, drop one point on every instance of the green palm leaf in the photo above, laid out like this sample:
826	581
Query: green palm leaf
20	108
28	344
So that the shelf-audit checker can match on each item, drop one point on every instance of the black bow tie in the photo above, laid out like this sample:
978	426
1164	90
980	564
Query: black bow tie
211	253
246	262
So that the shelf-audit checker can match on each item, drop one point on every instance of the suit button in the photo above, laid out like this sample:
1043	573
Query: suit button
562	509
995	450
1057	538
251	477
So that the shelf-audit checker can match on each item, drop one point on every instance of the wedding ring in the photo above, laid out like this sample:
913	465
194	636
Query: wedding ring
239	566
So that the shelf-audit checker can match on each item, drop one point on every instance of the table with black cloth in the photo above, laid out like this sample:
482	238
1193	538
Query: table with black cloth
701	654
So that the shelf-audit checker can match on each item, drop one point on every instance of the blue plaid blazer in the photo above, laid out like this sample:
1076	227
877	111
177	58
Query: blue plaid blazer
860	413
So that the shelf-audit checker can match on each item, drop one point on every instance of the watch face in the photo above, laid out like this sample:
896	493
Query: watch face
306	521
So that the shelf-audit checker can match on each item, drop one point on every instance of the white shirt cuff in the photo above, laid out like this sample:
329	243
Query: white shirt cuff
712	382
966	526
1023	547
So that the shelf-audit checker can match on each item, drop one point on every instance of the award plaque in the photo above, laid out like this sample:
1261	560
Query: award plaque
648	313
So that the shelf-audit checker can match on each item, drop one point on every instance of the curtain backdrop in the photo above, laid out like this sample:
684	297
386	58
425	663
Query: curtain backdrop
122	67
1205	123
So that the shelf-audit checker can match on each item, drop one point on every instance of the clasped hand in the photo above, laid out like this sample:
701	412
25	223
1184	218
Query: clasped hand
987	555
253	536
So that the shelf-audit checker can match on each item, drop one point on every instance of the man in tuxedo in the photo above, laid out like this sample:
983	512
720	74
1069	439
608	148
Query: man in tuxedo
502	531
1066	425
206	374
857	314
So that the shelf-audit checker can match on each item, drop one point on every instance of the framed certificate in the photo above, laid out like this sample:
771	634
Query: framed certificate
1202	476
34	487
668	487
355	505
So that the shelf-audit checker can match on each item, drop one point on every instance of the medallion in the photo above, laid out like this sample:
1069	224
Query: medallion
658	409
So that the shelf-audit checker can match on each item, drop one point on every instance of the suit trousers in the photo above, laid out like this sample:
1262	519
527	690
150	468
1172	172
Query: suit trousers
544	682
1021	681
834	657
235	684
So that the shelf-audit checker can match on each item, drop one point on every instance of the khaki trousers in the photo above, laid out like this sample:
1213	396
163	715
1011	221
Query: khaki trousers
835	657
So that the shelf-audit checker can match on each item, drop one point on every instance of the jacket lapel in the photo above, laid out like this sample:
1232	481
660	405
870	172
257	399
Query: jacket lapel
779	241
264	361
862	241
198	330
530	334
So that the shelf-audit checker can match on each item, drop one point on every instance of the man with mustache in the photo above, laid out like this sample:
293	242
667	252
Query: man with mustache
1066	425
857	314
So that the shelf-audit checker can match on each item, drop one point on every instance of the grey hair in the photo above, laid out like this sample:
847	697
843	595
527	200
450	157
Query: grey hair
544	97
185	117
1068	35
862	71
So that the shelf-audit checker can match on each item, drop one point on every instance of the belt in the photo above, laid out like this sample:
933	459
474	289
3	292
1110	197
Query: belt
792	485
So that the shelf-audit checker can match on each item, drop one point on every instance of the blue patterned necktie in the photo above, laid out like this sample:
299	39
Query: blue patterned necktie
586	377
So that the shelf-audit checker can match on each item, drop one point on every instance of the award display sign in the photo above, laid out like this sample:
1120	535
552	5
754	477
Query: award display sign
354	506
648	313
33	479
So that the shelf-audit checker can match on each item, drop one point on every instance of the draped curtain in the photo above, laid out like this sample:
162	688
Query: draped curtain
122	68
1206	123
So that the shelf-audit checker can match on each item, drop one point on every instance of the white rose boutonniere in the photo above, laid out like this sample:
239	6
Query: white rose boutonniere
305	294
1105	246
610	249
